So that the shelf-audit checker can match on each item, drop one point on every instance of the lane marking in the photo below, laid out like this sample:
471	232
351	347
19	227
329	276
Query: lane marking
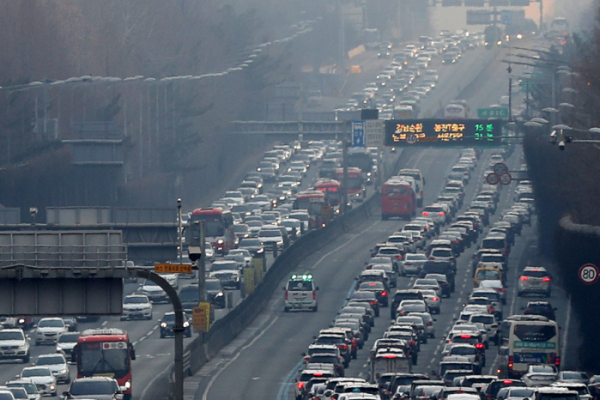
215	376
563	352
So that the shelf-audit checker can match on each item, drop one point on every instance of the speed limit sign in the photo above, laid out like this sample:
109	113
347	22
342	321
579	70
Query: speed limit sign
589	274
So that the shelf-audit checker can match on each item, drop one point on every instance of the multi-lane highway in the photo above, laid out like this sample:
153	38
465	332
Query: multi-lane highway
265	359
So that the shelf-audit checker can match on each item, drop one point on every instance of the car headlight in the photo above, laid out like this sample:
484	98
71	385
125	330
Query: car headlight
260	251
21	321
220	241
163	325
52	387
62	371
127	384
220	294
186	324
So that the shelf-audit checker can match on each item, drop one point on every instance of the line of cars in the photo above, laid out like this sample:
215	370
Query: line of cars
410	310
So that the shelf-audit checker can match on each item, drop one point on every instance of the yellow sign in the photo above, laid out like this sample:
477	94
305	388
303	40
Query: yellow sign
172	268
201	317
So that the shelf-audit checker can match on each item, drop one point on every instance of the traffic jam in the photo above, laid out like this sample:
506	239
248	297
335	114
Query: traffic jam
413	273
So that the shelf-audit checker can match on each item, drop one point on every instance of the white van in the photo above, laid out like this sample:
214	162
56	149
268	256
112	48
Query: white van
301	293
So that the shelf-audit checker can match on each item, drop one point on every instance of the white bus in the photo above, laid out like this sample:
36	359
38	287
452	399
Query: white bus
527	340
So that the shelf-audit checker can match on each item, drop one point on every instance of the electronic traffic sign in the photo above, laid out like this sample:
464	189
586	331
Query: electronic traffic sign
443	132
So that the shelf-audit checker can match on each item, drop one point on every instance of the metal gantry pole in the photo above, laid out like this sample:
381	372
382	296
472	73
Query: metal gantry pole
202	263
345	176
180	231
178	328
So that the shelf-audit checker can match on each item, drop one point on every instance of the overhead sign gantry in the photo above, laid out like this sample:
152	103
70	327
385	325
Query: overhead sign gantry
443	132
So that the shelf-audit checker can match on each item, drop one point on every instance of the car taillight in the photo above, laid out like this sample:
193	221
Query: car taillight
300	385
546	279
510	364
524	278
306	358
430	323
479	346
314	294
501	290
557	361
399	256
491	310
411	343
373	303
286	294
435	299
442	213
344	347
431	257
425	212
384	293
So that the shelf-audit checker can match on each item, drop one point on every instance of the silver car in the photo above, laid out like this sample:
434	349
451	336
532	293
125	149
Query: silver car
413	263
535	280
428	321
57	364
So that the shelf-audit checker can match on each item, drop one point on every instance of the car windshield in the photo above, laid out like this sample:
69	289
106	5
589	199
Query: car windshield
520	392
485	319
416	257
19	392
30	388
36	372
441	253
298	286
68	338
250	242
14	335
92	388
223	265
488	274
371	286
462	350
51	323
535	273
574	375
269	233
240	228
136	300
51	360
6	396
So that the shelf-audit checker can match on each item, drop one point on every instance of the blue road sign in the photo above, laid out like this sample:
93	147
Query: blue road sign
506	17
358	133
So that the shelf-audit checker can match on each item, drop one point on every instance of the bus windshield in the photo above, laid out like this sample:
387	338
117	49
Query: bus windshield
96	361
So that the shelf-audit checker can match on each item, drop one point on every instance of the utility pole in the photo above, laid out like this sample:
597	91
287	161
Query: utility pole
179	230
509	93
202	264
345	177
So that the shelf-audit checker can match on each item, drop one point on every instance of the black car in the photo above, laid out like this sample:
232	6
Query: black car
440	267
168	321
366	297
253	245
215	293
543	308
379	288
403	294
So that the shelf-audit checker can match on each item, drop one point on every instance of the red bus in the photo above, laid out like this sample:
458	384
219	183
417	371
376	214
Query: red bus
332	190
106	352
356	183
218	224
397	199
314	202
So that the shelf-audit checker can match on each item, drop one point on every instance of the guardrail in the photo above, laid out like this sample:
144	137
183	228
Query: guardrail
224	330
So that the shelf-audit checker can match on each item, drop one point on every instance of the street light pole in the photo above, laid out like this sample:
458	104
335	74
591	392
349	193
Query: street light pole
179	230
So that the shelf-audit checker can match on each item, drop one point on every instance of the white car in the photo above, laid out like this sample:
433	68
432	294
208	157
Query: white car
154	292
57	365
425	284
173	279
244	252
49	329
270	235
433	301
42	377
30	388
14	344
66	343
136	306
490	323
413	263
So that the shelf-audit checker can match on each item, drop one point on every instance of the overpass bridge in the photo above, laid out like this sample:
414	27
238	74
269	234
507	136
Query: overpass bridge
286	130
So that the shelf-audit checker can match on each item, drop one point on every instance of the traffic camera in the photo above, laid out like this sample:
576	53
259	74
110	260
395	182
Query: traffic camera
195	238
